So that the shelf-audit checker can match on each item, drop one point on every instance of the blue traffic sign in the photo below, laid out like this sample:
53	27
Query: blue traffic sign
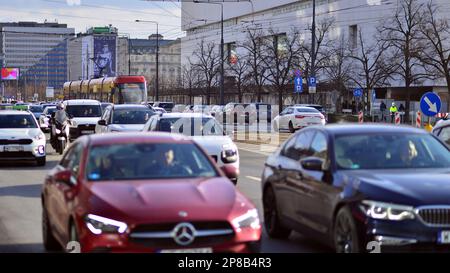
430	104
298	73
298	85
358	92
312	81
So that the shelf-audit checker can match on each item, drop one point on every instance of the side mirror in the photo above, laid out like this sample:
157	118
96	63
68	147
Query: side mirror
102	122
63	177
312	164
230	171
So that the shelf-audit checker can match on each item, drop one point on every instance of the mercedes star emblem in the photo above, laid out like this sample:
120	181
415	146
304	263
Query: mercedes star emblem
184	234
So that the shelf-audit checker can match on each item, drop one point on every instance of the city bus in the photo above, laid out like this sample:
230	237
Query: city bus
117	90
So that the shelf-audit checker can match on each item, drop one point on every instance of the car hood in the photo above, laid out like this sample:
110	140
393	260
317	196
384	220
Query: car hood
84	121
19	133
212	144
162	200
126	127
412	187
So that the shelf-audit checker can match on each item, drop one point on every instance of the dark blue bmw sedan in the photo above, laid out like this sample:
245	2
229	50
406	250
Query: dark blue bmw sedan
361	188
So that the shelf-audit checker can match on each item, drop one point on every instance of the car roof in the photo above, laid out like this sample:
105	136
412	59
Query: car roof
82	102
185	115
131	106
14	112
443	123
356	128
303	107
136	137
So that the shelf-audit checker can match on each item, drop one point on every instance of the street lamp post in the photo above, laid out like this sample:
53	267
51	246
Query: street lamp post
313	43
157	57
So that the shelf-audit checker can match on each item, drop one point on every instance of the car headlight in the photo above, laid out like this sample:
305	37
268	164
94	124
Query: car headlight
229	153
39	136
98	225
387	211
73	123
249	219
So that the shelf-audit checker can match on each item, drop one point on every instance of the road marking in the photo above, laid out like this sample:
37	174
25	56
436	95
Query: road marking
253	178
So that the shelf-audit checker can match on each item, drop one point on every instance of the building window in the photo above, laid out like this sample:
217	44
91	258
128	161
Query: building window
353	36
280	43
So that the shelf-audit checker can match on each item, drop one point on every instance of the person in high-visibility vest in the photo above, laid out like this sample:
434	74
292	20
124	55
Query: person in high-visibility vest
393	110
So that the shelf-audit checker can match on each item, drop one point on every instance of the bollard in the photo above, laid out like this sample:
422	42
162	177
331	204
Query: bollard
418	119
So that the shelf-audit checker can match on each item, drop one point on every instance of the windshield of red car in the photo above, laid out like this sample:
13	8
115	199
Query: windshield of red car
143	161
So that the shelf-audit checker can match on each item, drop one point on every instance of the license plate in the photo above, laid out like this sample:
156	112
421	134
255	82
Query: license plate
13	149
87	132
444	237
188	250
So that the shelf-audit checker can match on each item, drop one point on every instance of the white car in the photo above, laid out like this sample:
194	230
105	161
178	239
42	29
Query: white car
159	110
297	117
44	119
21	137
84	115
123	118
205	130
442	130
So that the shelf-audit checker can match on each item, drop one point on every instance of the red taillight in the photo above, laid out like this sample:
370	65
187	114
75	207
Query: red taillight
299	116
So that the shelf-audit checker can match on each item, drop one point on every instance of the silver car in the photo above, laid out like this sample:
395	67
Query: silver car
123	118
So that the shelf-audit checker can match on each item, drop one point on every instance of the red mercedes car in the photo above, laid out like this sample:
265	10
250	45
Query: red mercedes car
145	193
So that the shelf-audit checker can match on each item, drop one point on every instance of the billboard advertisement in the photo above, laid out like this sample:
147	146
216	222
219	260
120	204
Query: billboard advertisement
10	73
104	56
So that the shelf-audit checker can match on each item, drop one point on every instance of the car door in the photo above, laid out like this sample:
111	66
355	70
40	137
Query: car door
282	118
64	193
282	169
318	193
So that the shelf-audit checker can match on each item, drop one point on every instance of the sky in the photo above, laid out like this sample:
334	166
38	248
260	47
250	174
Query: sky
83	14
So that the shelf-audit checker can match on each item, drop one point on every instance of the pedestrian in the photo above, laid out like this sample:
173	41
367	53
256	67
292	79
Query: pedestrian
392	111
401	109
383	111
353	107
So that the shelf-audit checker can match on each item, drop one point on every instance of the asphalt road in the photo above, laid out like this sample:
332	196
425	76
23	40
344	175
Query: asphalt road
20	208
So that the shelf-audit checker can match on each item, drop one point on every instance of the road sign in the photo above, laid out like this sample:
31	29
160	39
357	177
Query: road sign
357	92
430	104
298	73
298	85
50	92
312	81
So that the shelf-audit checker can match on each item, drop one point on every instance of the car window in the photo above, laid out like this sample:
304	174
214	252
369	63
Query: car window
444	134
131	116
302	144
289	150
67	157
319	146
390	151
74	161
14	121
83	111
141	161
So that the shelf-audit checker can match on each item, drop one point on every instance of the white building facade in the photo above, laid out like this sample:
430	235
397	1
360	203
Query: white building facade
201	21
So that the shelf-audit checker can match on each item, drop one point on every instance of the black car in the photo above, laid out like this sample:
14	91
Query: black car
359	187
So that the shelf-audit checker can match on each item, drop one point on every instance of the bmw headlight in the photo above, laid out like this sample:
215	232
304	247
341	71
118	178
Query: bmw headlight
229	153
248	219
387	211
98	225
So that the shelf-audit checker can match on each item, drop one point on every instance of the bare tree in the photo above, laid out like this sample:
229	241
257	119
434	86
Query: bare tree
339	68
322	48
372	65
188	79
206	63
403	35
281	52
239	70
254	57
436	55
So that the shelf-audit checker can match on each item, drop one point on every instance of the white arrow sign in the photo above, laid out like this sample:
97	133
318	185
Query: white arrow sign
433	106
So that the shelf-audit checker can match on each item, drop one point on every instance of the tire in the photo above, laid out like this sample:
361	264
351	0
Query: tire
49	240
73	237
62	146
345	235
271	217
40	161
291	127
